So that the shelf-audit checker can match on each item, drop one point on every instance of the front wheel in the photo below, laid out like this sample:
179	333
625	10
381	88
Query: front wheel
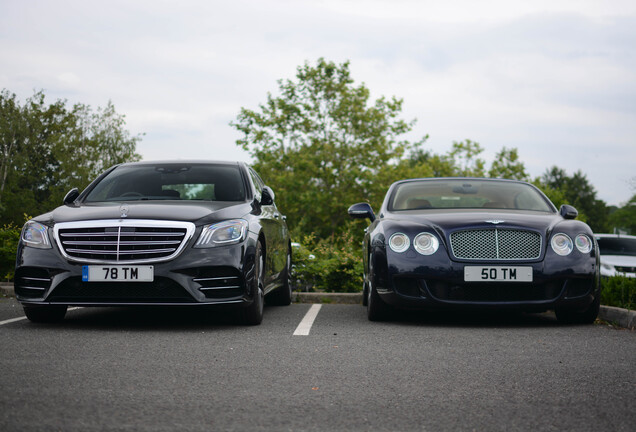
45	314
586	316
253	314
377	310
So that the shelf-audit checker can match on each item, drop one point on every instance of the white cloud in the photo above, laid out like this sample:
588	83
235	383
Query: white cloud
555	79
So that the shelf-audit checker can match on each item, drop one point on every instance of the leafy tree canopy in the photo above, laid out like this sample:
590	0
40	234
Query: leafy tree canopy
323	144
46	149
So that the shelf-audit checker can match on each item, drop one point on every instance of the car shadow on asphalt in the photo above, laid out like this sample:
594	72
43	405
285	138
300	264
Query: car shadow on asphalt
165	318
484	318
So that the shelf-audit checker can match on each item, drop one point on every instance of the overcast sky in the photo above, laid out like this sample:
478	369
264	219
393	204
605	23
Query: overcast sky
555	79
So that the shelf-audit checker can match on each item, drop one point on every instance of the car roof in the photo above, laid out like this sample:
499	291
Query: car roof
183	161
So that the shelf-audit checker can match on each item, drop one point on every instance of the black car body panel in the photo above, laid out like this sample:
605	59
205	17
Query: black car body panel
408	279
159	232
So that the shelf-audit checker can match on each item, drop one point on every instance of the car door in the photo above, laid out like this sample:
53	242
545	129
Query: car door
274	227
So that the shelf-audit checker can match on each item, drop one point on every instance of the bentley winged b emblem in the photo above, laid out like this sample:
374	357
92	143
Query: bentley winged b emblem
495	221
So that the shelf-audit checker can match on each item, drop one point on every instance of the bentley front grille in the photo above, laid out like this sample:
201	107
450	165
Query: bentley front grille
122	241
496	244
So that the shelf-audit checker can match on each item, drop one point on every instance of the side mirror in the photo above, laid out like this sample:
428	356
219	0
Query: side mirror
568	212
361	211
71	196
267	196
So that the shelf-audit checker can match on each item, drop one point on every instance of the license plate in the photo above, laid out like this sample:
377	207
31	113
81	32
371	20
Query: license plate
117	273
497	274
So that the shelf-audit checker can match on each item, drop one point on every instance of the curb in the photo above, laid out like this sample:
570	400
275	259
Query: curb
621	317
327	298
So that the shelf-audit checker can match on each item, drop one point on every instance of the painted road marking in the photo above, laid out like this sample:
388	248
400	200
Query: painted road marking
305	325
9	321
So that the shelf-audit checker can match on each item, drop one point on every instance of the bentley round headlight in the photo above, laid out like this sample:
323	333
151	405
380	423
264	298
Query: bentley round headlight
583	243
426	243
561	244
399	242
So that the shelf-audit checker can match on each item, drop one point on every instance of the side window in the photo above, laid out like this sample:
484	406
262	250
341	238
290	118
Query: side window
258	183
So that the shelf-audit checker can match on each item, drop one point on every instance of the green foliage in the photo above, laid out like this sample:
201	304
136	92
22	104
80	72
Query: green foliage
46	149
507	166
328	265
322	144
619	291
624	218
9	237
577	191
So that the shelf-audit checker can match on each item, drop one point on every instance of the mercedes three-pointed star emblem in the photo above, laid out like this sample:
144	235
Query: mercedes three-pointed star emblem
124	210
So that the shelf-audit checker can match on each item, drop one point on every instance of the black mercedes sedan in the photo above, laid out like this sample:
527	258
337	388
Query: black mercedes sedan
477	243
158	233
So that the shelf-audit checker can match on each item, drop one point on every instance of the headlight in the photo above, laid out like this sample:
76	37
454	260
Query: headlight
426	243
583	243
399	242
36	235
561	244
222	233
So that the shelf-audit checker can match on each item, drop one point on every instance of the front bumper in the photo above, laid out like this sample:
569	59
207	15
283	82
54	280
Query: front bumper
221	275
417	284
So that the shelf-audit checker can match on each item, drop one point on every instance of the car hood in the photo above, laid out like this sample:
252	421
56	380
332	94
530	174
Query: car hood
619	260
445	220
189	211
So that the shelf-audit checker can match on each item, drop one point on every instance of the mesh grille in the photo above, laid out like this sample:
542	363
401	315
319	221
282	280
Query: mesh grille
120	243
496	244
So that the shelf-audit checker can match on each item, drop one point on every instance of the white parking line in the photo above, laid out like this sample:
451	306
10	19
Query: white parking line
9	321
305	325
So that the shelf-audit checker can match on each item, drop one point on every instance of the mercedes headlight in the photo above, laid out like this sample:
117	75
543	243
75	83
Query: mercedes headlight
36	235
223	233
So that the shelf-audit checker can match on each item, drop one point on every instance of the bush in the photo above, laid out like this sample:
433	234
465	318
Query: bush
328	265
9	236
619	291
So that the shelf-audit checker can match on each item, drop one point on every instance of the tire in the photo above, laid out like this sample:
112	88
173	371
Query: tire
253	314
365	295
45	314
586	316
282	296
377	310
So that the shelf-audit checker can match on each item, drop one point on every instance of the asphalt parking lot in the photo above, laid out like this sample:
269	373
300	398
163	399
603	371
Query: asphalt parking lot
312	367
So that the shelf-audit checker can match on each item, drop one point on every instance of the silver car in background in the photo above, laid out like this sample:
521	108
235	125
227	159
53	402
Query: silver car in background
618	254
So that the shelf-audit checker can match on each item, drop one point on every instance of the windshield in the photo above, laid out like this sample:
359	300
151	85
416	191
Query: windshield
467	193
207	182
617	246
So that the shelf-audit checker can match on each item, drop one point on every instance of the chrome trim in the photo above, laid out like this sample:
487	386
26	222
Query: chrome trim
109	223
215	278
496	231
219	288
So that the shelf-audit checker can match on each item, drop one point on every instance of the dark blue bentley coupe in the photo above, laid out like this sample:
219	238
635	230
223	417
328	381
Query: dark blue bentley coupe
477	243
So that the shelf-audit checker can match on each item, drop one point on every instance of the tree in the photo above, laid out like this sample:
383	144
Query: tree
323	145
624	218
507	166
47	149
465	160
578	191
